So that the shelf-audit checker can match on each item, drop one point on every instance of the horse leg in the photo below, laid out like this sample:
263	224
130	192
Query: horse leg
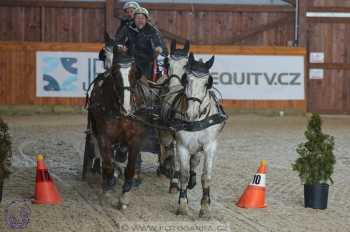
137	176
166	155
184	157
88	156
166	160
194	161
209	155
96	162
129	175
175	172
108	178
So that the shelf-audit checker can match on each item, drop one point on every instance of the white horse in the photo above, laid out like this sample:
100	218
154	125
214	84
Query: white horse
177	60
201	124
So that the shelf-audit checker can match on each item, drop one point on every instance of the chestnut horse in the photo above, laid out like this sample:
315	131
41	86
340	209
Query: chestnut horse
109	124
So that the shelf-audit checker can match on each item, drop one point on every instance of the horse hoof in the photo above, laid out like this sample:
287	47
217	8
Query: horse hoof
128	184
182	211
183	207
107	194
109	183
204	213
137	182
174	188
123	201
122	206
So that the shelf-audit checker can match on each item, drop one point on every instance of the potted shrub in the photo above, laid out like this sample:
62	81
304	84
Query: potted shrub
315	164
5	153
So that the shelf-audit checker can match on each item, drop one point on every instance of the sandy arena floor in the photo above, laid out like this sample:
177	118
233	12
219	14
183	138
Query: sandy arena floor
245	141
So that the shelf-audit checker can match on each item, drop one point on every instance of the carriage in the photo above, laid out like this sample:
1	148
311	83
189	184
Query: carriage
181	109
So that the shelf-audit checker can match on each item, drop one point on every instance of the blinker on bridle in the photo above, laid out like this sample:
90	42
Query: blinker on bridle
198	74
177	57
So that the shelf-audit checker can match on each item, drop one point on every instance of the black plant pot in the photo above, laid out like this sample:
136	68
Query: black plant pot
316	196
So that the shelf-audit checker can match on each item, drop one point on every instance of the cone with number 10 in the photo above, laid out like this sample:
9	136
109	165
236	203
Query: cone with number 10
254	194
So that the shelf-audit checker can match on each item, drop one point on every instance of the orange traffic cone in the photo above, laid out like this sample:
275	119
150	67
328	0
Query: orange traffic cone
254	194
45	189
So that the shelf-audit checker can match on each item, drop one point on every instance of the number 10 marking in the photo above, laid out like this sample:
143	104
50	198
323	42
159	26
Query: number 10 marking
256	179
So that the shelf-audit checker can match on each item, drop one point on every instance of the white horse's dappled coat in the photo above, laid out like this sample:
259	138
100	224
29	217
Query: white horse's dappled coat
190	144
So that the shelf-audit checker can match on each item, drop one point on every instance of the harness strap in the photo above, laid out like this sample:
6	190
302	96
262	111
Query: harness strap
198	125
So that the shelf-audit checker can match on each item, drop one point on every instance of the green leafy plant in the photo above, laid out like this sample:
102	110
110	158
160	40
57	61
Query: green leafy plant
316	161
5	150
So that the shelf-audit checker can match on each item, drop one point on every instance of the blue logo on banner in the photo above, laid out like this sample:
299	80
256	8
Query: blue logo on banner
53	65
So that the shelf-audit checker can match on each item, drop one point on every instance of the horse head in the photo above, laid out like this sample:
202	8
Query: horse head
196	81
106	54
119	64
177	61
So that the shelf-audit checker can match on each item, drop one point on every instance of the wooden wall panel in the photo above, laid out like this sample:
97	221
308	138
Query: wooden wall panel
73	25
219	24
52	23
12	23
331	94
17	74
32	24
93	25
59	21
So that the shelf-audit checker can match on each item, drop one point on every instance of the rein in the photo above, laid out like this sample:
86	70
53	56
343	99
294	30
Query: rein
194	99
101	76
161	85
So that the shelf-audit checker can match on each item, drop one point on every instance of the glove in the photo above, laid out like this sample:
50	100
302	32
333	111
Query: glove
122	48
157	51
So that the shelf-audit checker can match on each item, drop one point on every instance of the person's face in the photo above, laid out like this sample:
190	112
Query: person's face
140	20
130	12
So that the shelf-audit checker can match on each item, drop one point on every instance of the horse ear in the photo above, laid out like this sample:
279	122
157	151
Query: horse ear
187	46
172	46
191	58
210	62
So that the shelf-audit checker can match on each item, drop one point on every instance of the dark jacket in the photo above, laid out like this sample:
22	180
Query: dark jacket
141	45
124	22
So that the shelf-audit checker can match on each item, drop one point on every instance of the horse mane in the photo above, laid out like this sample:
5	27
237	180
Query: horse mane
107	95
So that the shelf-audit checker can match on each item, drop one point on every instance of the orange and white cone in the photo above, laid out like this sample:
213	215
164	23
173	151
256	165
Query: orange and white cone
45	189
254	194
